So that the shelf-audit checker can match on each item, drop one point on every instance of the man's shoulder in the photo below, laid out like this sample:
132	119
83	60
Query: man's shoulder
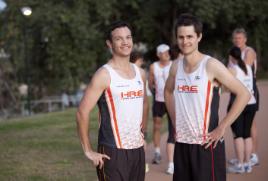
102	75
250	50
213	63
212	59
176	62
102	71
174	67
153	64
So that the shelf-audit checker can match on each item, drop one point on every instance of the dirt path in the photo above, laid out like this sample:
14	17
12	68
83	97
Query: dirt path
259	173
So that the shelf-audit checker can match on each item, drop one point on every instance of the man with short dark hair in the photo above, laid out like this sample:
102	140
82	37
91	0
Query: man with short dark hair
118	88
192	100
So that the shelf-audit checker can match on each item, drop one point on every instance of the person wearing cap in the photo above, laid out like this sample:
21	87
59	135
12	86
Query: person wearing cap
158	74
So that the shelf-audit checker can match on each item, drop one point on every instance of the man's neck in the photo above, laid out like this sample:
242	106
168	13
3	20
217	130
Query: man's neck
193	59
122	66
163	63
120	62
243	47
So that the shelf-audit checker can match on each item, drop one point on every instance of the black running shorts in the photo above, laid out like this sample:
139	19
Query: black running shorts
159	110
192	162
124	164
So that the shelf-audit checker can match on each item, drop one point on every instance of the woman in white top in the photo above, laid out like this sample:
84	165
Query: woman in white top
241	127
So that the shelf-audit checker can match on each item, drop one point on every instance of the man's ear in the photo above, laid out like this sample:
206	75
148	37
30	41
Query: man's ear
158	55
200	37
109	44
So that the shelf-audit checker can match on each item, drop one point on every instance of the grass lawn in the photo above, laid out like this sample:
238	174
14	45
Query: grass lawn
46	147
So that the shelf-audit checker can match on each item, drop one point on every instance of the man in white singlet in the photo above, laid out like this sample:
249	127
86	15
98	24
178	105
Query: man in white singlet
118	88
192	99
158	74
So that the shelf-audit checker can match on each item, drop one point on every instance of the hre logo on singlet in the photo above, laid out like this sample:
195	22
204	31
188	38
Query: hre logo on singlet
187	89
132	94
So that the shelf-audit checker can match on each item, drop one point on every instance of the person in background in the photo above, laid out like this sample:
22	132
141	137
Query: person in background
158	74
249	56
242	125
137	59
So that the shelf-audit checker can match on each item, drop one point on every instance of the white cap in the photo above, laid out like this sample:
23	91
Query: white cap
162	48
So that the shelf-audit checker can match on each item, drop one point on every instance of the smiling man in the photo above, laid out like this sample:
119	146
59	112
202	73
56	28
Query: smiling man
192	100
118	88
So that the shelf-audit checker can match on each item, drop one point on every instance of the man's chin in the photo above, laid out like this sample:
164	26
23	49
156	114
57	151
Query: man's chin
125	55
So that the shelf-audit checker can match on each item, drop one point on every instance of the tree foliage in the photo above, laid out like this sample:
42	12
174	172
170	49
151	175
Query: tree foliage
65	42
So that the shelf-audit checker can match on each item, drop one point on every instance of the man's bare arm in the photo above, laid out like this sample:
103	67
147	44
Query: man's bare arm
145	104
250	57
151	78
94	90
168	92
216	70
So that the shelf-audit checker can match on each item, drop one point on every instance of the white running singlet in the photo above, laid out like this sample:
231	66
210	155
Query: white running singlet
160	77
246	80
121	110
193	98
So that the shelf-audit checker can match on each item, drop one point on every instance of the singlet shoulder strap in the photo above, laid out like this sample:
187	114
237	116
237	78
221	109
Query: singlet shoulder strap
156	66
108	67
206	58
137	70
203	63
180	65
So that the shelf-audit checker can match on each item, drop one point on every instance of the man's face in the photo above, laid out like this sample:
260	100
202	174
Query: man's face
187	39
121	43
164	56
239	40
